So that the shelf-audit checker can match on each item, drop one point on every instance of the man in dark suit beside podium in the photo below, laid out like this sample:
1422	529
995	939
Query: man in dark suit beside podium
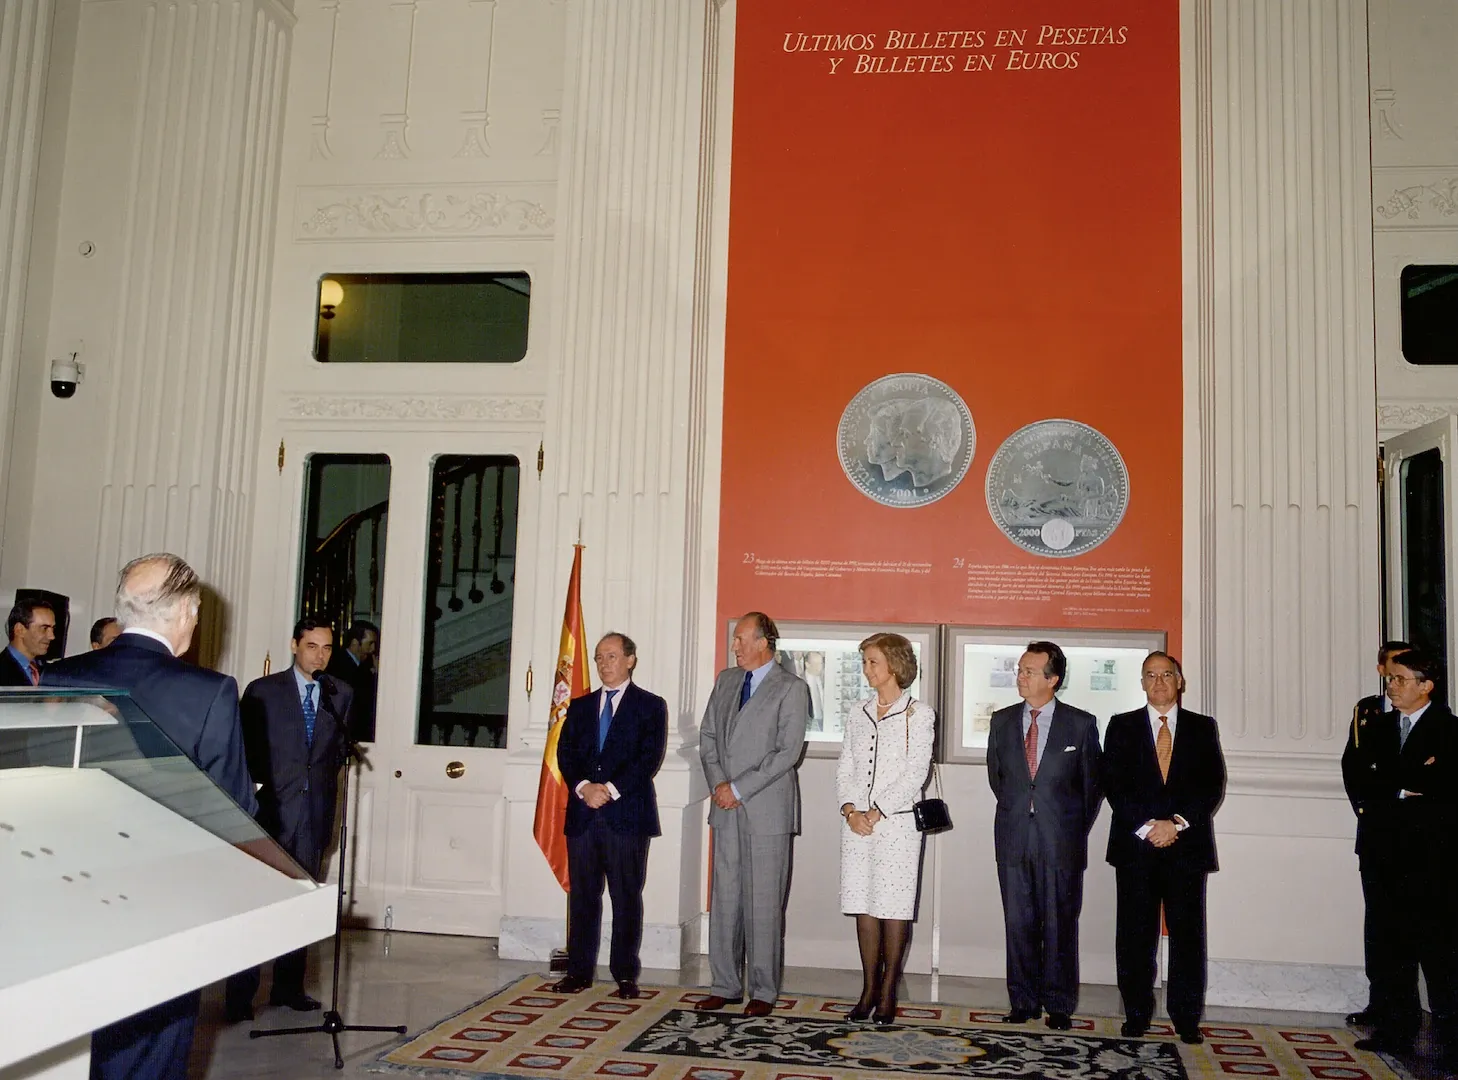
612	744
157	602
294	725
1043	765
1164	775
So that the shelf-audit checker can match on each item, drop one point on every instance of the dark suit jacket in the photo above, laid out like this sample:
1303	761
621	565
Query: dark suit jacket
1376	767
1137	793
361	680
300	780
11	673
629	759
1064	799
194	707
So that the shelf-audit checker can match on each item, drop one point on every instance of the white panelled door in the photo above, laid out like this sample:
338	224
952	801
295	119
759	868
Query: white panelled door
427	843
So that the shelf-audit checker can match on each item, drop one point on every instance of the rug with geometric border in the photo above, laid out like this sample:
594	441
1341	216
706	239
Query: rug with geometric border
525	1030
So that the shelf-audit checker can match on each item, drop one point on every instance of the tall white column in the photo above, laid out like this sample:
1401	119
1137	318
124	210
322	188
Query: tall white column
633	418
25	35
1284	515
187	341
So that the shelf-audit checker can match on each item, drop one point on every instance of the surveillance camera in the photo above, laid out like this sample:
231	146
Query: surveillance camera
66	375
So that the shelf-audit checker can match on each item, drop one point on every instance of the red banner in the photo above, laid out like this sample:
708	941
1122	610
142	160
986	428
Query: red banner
953	344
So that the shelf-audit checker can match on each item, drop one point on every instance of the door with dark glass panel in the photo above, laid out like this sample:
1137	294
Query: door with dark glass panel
1419	506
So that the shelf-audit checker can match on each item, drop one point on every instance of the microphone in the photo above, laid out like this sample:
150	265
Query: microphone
349	748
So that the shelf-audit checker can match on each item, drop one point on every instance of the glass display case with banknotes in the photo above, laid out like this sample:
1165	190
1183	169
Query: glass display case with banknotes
828	657
129	876
981	675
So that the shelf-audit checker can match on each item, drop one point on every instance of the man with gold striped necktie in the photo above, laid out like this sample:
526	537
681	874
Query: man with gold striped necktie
1164	776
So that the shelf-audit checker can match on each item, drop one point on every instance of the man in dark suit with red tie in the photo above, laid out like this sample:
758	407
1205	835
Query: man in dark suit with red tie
1401	773
612	744
1164	775
1043	765
294	725
31	628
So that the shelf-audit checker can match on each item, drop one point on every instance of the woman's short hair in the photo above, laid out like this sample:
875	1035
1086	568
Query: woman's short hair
900	657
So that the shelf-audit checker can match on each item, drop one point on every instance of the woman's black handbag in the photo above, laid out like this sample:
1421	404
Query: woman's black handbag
931	815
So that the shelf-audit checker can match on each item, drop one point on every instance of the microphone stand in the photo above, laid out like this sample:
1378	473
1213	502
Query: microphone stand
333	1023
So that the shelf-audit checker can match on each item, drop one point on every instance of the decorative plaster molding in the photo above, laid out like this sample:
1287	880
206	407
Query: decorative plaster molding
405	213
1420	202
523	409
1289	775
1399	416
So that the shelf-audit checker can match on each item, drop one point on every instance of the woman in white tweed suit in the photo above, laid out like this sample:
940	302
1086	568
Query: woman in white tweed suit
885	756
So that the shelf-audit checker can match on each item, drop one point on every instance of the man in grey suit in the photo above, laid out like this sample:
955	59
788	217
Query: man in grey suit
750	744
1043	765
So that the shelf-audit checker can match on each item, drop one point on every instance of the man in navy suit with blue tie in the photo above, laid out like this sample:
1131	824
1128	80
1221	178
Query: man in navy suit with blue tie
293	728
612	744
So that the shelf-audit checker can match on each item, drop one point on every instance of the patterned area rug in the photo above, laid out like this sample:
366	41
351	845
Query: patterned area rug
524	1030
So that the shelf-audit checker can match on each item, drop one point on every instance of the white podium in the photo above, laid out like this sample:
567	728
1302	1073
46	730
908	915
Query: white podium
126	878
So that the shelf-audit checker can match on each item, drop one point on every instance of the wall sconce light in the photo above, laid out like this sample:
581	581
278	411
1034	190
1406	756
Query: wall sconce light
331	295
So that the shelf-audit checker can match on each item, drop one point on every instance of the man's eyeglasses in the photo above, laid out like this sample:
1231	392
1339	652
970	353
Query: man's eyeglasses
1161	676
1398	680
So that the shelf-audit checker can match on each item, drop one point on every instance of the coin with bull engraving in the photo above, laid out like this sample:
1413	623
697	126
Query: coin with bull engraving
906	440
1057	488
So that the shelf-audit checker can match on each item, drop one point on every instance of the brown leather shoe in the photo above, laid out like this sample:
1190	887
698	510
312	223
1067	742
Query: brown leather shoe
713	1003
758	1008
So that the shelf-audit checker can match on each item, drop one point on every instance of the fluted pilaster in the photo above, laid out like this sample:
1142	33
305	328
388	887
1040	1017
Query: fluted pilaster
25	32
1289	527
187	341
626	442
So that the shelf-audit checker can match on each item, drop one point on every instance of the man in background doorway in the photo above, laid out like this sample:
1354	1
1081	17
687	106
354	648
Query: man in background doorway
104	631
612	745
354	665
294	725
1373	721
1405	787
31	628
1043	763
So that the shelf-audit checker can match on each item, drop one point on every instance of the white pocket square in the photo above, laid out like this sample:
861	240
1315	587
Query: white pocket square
1069	749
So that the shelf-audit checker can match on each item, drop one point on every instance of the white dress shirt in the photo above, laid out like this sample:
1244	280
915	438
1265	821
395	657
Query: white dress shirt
1171	715
617	699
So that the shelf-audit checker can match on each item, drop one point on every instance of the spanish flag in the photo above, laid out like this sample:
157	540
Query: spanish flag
571	681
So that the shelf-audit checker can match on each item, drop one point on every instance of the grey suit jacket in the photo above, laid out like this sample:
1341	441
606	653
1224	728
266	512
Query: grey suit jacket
1053	814
757	748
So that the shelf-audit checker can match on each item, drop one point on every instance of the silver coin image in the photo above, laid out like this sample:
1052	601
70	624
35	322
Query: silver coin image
1057	488
906	440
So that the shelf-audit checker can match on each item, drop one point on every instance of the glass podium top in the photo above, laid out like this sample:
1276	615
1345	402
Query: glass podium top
111	838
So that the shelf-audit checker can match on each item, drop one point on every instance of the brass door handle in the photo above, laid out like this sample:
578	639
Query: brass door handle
456	769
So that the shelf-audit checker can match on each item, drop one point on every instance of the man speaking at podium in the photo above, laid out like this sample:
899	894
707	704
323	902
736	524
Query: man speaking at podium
294	725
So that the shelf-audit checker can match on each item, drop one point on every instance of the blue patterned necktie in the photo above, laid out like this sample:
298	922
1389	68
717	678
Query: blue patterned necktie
605	718
309	713
1406	731
746	689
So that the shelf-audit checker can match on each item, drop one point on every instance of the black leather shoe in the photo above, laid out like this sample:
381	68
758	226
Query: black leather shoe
1060	1021
1191	1036
300	1002
1365	1018
1132	1029
627	989
885	1019
572	984
1384	1044
860	1012
1022	1016
238	1014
